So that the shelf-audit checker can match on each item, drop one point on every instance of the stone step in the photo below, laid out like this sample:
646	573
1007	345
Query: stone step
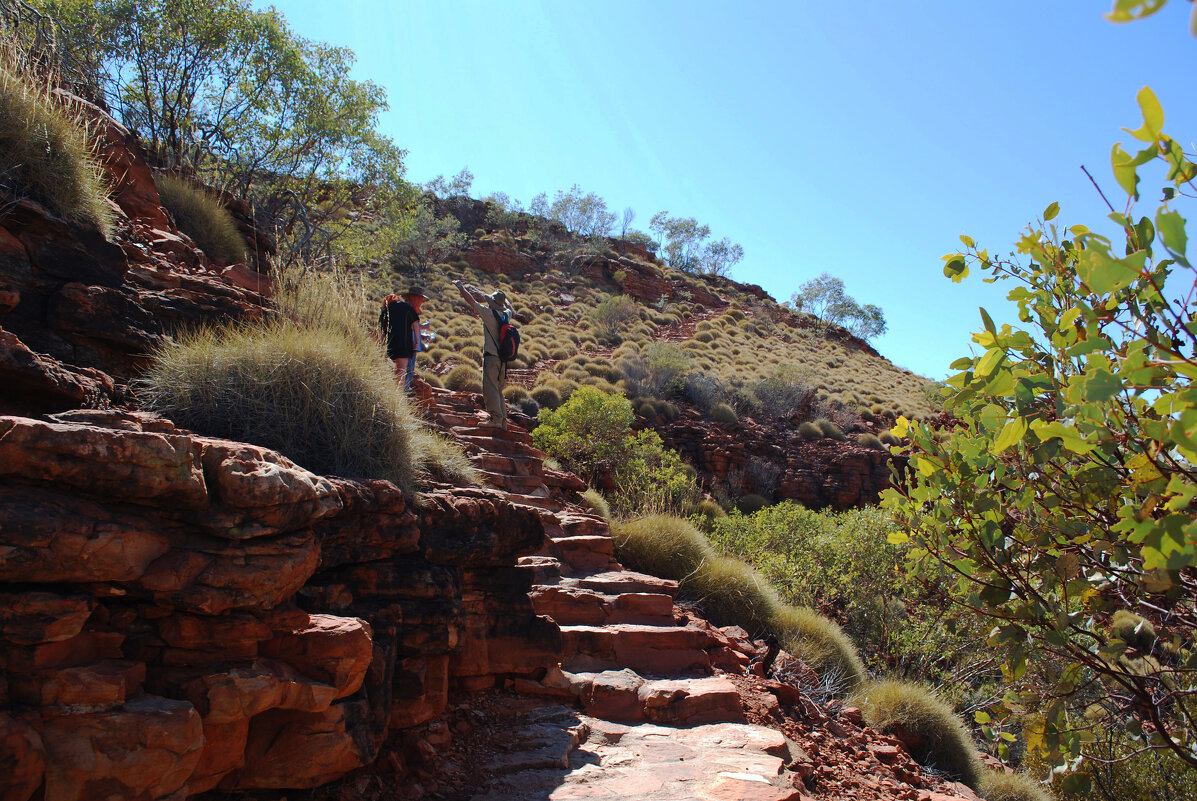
511	465
584	525
537	502
618	582
624	695
563	480
648	650
585	554
483	443
651	762
575	606
456	419
517	484
481	433
546	570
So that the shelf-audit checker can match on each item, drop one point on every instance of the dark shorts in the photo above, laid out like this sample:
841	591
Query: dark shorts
395	352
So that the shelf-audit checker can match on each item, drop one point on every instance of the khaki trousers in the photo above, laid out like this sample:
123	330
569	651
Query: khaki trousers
492	389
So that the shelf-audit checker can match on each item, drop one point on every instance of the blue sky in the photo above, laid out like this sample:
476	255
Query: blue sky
859	139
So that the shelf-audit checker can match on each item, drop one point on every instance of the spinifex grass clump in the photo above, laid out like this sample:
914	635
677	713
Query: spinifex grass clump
320	396
822	644
921	717
45	153
661	545
200	215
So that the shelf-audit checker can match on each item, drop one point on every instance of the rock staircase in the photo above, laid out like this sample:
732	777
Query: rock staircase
638	669
610	618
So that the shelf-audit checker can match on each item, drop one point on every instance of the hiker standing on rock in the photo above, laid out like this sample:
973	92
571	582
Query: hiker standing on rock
399	322
495	311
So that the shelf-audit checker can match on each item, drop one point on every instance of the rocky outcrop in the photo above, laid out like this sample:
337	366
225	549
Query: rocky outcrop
818	474
180	613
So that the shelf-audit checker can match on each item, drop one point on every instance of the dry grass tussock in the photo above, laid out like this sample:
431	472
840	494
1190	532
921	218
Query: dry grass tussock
45	150
314	387
998	786
201	216
661	545
890	705
822	644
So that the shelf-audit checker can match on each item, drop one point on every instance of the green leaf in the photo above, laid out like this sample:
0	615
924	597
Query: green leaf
1079	784
1149	104
955	268
1102	273
1101	385
897	538
987	321
968	241
989	361
1128	10
982	717
1172	230
1124	171
1051	211
1011	435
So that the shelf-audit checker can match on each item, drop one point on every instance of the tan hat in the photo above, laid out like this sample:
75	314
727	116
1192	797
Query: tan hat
498	301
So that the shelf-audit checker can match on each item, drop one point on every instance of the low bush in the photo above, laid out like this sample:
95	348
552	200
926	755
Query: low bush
809	430
922	717
822	644
46	155
870	441
201	216
514	393
597	503
752	503
888	438
1135	631
830	430
661	545
548	397
464	378
708	512
730	593
321	397
529	406
998	785
724	413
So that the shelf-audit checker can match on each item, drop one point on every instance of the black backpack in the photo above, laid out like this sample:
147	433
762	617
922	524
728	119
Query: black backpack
509	338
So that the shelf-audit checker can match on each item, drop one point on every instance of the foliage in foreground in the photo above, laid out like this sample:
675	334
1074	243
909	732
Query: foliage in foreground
1066	492
45	152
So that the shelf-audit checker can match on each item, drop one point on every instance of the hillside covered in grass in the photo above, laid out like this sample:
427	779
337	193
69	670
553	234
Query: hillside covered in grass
695	353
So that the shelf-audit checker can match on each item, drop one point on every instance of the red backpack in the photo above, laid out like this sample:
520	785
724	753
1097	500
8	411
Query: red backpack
509	338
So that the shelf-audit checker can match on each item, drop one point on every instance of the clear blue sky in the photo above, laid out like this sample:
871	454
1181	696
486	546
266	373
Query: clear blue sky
859	139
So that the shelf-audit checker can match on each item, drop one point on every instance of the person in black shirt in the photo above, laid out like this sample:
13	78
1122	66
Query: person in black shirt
399	322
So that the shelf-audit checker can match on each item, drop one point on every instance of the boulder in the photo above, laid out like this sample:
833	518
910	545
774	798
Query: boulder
140	751
334	650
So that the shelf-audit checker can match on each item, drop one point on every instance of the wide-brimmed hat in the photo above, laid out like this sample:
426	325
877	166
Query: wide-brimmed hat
415	290
498	300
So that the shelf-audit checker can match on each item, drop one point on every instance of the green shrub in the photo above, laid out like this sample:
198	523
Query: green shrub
730	593
888	438
998	785
46	156
870	441
809	430
514	393
530	407
830	430
709	511
548	397
1135	631
748	504
661	545
470	353
597	503
822	644
464	378
201	216
320	396
909	709
432	380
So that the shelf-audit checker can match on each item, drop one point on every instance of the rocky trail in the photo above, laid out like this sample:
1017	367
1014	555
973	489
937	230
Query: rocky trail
649	702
